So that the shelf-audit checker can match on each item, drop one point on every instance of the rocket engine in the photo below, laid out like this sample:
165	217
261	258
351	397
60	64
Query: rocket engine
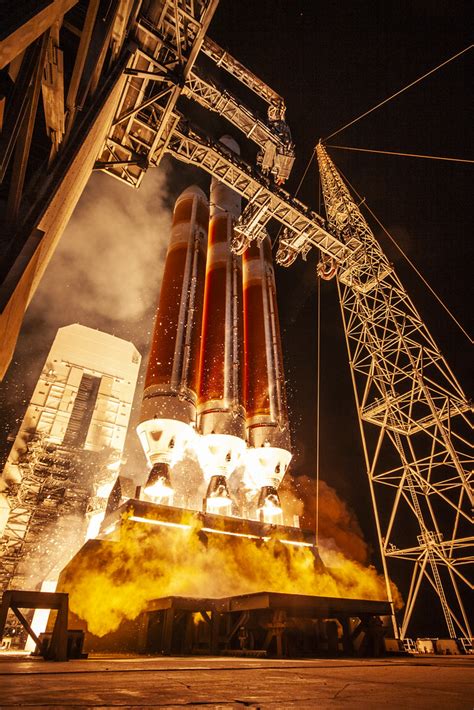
168	412
268	436
221	416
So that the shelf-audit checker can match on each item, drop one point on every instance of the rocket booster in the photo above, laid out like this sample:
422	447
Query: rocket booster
221	417
268	435
168	410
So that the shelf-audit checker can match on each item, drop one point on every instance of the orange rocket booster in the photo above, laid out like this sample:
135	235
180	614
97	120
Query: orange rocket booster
264	384
174	357
220	388
221	417
168	411
268	436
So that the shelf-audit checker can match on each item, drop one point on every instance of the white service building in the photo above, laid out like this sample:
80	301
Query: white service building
68	450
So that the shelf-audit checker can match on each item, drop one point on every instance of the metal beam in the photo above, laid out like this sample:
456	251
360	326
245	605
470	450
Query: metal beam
22	28
22	150
17	105
231	65
304	227
79	63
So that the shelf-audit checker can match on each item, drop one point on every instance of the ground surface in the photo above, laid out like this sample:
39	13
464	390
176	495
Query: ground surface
233	683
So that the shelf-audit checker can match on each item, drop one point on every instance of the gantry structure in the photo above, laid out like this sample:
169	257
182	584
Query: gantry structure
50	506
415	421
99	85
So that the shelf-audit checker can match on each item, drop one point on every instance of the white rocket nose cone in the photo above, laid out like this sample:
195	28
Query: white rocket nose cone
230	143
192	191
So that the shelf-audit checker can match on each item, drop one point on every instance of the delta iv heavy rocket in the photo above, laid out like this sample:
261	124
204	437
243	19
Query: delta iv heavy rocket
168	412
221	416
268	436
215	380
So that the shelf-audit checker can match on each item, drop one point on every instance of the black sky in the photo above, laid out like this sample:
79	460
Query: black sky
331	62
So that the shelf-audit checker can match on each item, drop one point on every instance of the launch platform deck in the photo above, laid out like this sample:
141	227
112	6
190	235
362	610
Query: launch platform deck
144	512
294	604
260	624
425	683
263	623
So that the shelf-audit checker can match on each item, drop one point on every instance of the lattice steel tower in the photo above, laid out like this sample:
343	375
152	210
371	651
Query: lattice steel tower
413	416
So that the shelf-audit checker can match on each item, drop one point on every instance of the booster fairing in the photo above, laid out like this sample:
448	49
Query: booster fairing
168	410
221	416
268	435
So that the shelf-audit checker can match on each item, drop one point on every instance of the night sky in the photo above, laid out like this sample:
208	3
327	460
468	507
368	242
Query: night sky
331	62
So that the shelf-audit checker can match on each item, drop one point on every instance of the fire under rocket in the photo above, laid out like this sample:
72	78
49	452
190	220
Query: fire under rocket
221	416
168	412
215	380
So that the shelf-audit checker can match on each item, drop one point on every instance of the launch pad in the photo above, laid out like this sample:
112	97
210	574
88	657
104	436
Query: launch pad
166	580
258	625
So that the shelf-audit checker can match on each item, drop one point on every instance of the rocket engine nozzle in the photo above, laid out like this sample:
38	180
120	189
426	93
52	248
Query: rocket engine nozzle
158	484
218	498
269	508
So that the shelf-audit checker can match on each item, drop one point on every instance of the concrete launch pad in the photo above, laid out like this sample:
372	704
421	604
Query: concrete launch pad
199	581
425	683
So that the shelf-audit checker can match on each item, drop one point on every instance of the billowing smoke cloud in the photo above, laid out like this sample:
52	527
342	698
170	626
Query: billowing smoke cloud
339	528
105	274
112	581
107	268
341	541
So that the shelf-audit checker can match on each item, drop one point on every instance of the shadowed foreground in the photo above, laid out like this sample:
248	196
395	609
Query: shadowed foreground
225	683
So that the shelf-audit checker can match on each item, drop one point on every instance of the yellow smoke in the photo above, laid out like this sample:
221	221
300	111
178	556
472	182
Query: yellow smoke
113	581
339	528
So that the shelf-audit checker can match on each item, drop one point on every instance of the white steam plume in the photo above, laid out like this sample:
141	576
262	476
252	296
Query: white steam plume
105	274
107	267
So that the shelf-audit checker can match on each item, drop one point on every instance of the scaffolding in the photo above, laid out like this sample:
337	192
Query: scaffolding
414	418
57	484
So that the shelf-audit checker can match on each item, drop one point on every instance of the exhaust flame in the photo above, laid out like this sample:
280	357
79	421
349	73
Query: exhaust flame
269	507
115	581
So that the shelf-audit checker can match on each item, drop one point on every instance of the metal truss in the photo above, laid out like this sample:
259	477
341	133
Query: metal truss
147	125
303	227
277	153
33	508
413	416
223	59
166	50
55	482
161	70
